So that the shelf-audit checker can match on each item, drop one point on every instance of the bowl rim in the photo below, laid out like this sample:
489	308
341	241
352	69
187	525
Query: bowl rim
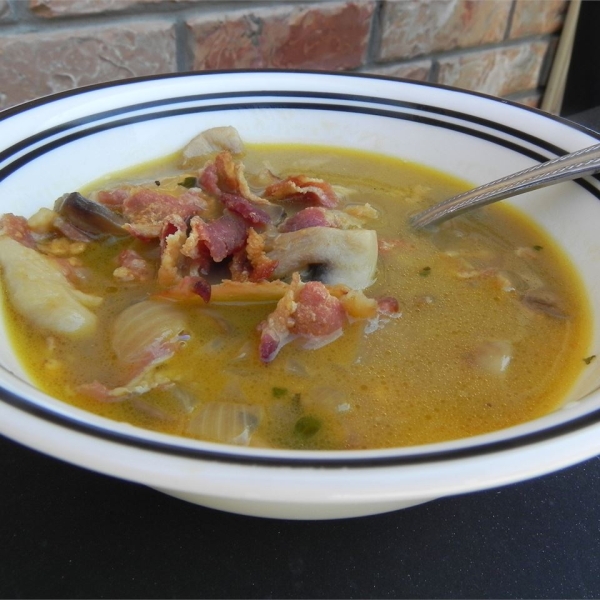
472	447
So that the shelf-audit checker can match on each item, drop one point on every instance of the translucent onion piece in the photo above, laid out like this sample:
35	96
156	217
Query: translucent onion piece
326	398
294	367
184	396
42	294
493	356
225	422
148	330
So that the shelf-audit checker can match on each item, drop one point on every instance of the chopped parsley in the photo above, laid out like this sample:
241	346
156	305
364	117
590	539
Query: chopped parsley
307	426
278	392
589	359
188	182
425	271
538	247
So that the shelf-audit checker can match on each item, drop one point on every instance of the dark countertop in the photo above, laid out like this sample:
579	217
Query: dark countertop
66	532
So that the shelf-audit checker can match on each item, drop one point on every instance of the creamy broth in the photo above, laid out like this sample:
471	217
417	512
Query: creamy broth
492	327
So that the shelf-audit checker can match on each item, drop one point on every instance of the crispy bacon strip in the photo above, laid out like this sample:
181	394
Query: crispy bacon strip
17	228
301	188
172	238
225	175
306	310
219	238
146	210
251	262
252	214
132	267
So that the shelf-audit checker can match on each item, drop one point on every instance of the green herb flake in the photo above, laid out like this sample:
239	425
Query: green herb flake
188	182
425	271
589	359
278	392
307	426
538	247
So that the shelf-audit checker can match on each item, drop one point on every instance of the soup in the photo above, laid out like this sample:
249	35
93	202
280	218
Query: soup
275	296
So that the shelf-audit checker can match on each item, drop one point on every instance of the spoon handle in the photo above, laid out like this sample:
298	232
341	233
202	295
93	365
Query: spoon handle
564	168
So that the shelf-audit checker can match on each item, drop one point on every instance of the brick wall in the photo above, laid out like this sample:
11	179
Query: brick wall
500	47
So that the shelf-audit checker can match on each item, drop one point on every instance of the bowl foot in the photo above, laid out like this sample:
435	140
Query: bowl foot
293	510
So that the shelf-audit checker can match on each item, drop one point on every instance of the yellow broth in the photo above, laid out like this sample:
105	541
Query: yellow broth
408	380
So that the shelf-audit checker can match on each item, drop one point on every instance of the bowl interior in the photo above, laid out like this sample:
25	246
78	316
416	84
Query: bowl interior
60	145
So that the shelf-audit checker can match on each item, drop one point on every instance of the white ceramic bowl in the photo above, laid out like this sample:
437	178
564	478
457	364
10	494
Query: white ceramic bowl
62	142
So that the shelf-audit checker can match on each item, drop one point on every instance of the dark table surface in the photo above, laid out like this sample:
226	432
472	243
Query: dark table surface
68	533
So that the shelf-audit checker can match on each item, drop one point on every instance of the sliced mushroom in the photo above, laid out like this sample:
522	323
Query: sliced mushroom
544	302
92	218
214	140
329	255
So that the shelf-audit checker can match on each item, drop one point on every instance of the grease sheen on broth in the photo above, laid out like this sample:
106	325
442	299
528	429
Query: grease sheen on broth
418	378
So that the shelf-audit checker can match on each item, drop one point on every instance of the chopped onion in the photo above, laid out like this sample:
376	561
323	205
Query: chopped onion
493	356
148	328
225	422
294	367
185	397
326	398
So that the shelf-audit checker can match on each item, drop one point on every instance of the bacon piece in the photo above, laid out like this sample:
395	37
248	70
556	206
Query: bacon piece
307	311
262	266
388	305
132	267
251	263
208	178
318	312
221	237
172	238
17	229
240	267
301	188
113	198
317	216
314	216
275	329
251	213
225	175
146	210
188	288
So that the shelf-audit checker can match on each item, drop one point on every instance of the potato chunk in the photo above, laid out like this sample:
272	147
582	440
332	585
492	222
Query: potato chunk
42	294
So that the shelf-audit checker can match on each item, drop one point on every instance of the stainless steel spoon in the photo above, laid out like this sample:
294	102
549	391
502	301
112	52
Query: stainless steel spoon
564	168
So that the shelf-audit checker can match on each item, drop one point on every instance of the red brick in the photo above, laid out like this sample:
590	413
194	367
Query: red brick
61	8
416	27
326	36
499	71
33	65
417	70
532	17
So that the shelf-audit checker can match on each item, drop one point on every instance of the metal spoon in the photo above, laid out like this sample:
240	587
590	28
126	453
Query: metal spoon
564	168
